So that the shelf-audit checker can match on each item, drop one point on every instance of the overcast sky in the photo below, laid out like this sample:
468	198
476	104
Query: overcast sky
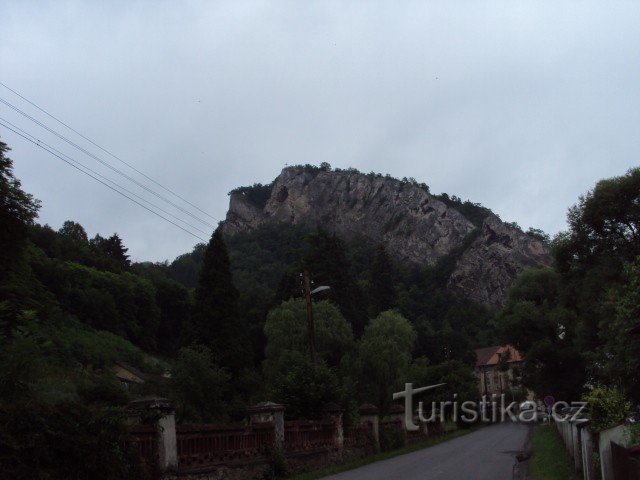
521	106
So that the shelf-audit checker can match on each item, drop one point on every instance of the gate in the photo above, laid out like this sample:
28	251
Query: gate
625	467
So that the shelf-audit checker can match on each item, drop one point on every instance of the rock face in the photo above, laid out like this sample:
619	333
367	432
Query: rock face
489	266
414	225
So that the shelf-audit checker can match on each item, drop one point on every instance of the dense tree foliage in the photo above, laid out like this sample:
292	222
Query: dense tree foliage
228	322
326	259
384	356
573	321
306	390
537	323
198	385
256	194
287	339
215	319
18	209
383	291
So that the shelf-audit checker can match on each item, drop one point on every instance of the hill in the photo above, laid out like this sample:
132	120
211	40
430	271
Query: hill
415	226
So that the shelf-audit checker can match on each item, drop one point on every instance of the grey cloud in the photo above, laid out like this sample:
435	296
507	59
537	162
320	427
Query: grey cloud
521	107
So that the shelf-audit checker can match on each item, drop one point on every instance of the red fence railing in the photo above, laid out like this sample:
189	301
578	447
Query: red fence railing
302	436
144	438
206	445
357	435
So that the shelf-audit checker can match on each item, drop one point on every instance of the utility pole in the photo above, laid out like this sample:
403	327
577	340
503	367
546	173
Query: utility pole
310	330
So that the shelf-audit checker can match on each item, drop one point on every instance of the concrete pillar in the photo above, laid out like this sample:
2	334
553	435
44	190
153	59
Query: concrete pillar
166	427
335	414
396	413
586	440
369	415
617	435
578	425
269	412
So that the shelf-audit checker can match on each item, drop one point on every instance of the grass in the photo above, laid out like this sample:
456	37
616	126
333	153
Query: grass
550	460
350	465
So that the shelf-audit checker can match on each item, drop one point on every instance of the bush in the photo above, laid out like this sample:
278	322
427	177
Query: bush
306	389
390	437
65	441
608	407
277	463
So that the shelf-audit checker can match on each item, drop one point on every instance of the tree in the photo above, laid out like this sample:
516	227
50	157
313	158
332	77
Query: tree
287	340
306	389
384	356
606	221
383	293
74	232
215	319
539	235
115	249
112	251
327	261
18	210
175	306
185	268
458	377
618	358
603	235
199	385
538	325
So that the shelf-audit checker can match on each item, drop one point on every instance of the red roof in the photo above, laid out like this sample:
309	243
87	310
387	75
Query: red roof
491	355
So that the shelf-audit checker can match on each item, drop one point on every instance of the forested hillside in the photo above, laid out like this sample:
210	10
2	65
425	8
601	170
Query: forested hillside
224	326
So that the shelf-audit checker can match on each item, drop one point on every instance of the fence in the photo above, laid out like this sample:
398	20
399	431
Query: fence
357	435
143	437
202	446
625	464
599	455
214	449
304	436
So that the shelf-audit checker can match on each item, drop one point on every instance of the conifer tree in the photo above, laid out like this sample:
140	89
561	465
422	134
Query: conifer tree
326	259
115	249
216	322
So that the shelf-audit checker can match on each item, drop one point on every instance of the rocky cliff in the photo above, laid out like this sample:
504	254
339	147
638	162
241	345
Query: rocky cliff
414	225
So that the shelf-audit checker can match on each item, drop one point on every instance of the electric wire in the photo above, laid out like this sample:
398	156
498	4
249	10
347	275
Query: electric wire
103	162
107	151
102	176
39	144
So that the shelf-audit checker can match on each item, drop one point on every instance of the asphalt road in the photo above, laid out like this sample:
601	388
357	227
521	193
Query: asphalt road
486	454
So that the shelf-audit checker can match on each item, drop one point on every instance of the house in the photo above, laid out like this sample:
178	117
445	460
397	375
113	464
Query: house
128	375
497	369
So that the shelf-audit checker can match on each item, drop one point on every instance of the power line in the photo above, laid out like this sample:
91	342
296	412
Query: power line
105	163
101	176
108	152
39	144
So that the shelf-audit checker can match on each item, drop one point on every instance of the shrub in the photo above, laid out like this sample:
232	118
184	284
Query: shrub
607	406
390	437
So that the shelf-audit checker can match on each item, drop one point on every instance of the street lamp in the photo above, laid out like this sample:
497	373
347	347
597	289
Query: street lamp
310	326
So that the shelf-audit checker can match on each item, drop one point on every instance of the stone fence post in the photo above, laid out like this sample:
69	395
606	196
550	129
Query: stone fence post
269	412
396	413
166	427
369	414
335	413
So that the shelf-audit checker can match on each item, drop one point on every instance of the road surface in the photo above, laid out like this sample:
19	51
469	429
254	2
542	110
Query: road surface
486	454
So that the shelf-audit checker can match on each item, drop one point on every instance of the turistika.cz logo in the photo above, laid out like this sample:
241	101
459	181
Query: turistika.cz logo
490	409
